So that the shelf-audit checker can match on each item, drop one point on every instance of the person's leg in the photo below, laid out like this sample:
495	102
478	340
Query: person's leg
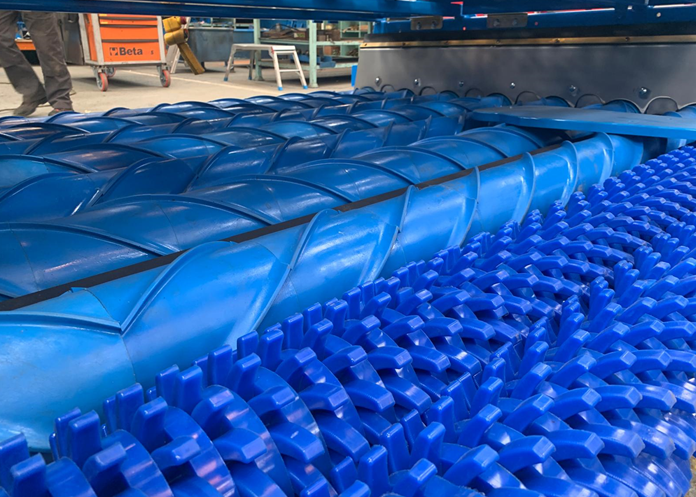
19	71
44	31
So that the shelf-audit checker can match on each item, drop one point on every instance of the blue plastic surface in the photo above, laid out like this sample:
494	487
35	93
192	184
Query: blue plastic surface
229	195
552	358
591	120
548	351
129	160
121	215
132	328
137	228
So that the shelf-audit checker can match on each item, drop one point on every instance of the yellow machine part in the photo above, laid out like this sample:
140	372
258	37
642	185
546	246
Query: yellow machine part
174	35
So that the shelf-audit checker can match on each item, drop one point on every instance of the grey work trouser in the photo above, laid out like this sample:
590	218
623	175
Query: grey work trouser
44	31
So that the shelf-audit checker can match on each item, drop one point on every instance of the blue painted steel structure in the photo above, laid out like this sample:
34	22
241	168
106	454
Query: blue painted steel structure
552	358
266	9
548	13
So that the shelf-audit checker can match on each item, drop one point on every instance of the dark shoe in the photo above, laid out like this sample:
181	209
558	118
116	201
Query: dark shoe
58	111
29	106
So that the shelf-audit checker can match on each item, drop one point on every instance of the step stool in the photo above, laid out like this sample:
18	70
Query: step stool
275	51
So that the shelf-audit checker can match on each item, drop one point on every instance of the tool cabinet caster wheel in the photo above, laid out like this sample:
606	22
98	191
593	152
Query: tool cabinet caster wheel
165	78
110	72
102	81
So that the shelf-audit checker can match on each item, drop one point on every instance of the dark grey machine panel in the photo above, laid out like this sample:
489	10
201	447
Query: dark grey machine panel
657	75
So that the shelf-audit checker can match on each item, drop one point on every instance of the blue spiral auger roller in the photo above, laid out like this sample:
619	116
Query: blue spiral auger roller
63	149
105	144
554	358
181	162
71	131
137	228
66	129
296	104
358	99
70	173
68	183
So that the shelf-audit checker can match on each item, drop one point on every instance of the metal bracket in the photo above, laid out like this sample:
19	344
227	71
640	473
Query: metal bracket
426	22
516	20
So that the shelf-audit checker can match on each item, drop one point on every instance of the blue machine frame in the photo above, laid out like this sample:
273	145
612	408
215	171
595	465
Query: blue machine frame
547	13
540	17
268	9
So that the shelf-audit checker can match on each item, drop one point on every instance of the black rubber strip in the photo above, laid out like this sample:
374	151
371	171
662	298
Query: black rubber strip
98	279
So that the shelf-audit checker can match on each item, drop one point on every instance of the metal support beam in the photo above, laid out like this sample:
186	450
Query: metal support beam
313	83
269	9
258	72
502	6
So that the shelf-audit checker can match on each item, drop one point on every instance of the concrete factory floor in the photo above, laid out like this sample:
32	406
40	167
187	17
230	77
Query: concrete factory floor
136	87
